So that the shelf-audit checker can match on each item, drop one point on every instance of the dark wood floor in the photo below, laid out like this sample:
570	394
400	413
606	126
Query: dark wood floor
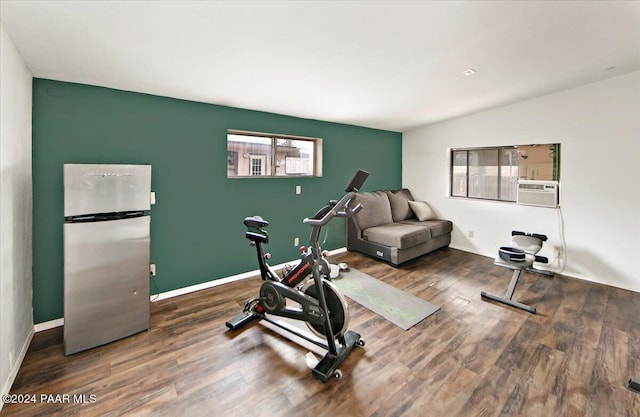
471	358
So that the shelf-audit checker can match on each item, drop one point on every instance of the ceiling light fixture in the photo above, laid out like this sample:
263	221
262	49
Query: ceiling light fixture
470	71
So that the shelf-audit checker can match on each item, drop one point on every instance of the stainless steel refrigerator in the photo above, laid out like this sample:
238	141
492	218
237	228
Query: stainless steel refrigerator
106	253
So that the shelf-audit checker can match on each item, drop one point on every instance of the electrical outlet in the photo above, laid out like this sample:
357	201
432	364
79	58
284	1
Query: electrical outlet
296	241
298	189
557	251
470	233
152	270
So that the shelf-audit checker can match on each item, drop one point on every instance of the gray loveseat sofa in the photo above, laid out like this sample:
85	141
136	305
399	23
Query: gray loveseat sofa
395	228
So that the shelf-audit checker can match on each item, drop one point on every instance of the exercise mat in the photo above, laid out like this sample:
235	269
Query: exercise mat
400	308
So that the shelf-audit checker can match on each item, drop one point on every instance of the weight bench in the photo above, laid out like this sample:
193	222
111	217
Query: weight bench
518	269
519	258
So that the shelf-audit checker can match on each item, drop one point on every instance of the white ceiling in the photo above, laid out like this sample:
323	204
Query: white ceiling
390	65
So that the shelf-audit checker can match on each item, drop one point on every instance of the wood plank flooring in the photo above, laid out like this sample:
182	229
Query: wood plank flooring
471	358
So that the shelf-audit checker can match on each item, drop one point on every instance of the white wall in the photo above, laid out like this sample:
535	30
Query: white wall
16	319
598	126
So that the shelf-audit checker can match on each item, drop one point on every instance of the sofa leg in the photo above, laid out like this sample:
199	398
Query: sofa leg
394	265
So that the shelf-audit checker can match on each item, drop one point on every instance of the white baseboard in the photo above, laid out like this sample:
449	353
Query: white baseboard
40	327
186	290
6	387
221	281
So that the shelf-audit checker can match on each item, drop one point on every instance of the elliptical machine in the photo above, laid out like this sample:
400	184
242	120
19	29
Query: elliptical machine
316	301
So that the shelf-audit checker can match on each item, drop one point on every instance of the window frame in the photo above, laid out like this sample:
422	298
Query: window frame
498	149
271	159
555	148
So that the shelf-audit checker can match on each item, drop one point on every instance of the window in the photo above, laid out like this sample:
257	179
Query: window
257	165
493	173
232	163
264	155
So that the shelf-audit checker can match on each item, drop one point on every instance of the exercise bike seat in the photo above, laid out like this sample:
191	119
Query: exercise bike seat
256	222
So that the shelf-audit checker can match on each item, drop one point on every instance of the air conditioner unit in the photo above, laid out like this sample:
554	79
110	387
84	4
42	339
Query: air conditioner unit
538	193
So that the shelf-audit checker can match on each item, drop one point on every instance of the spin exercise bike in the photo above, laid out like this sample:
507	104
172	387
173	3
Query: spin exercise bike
519	257
313	298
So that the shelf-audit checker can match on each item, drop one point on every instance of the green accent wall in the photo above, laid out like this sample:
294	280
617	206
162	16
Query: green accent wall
196	229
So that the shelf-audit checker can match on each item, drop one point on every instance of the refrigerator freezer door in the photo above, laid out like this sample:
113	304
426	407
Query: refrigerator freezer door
96	188
106	281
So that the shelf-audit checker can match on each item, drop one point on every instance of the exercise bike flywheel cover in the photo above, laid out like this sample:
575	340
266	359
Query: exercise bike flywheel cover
337	305
511	254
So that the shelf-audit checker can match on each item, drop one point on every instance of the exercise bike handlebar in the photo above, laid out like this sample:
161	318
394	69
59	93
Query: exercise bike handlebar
337	209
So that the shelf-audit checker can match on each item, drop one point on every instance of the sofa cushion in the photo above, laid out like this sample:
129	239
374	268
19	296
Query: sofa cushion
422	210
375	209
397	235
399	201
436	227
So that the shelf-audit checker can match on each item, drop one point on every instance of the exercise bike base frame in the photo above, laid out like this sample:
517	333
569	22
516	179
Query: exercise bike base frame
328	365
240	320
245	317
